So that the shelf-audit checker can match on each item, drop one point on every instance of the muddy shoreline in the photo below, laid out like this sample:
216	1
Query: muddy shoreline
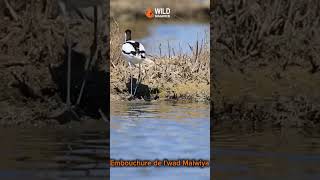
266	65
33	66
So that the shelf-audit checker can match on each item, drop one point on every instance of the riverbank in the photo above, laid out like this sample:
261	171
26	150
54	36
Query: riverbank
266	98
266	68
33	67
179	77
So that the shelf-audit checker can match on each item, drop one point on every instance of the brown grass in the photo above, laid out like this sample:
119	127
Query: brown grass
178	77
31	40
258	33
266	55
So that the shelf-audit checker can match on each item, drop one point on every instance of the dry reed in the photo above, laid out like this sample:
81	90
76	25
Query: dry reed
266	54
177	76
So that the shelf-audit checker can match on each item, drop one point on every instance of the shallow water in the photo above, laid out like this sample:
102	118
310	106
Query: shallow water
176	37
266	155
67	153
152	131
158	36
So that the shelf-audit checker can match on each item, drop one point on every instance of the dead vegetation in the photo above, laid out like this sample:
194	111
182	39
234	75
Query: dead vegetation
31	44
279	33
179	76
265	51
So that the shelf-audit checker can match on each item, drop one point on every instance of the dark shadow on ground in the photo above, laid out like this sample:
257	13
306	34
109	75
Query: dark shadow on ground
96	92
143	91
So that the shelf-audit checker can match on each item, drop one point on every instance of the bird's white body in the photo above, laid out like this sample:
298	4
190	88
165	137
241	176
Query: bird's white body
134	52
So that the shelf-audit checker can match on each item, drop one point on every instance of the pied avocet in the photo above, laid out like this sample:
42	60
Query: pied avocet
134	53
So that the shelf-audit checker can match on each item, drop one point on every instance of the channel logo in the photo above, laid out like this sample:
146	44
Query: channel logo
158	13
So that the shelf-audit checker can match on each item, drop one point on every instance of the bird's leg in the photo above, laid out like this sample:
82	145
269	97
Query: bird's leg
103	116
130	78
138	81
83	82
69	76
67	36
93	50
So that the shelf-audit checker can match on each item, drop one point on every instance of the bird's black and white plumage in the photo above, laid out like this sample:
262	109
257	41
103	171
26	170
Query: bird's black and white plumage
133	51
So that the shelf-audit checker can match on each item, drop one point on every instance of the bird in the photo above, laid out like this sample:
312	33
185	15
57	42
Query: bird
134	53
66	6
79	6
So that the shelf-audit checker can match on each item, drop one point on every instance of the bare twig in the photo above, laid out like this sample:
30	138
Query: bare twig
13	14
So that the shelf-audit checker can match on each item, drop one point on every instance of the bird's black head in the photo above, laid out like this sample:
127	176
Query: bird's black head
128	34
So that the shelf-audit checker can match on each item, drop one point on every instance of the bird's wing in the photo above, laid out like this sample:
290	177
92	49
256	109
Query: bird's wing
134	44
134	48
141	47
127	48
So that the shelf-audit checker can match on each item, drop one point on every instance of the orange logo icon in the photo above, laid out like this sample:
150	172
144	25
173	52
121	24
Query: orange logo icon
149	13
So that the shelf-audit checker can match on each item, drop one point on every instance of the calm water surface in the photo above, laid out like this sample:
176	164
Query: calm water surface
266	155
66	153
158	36
152	131
178	37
